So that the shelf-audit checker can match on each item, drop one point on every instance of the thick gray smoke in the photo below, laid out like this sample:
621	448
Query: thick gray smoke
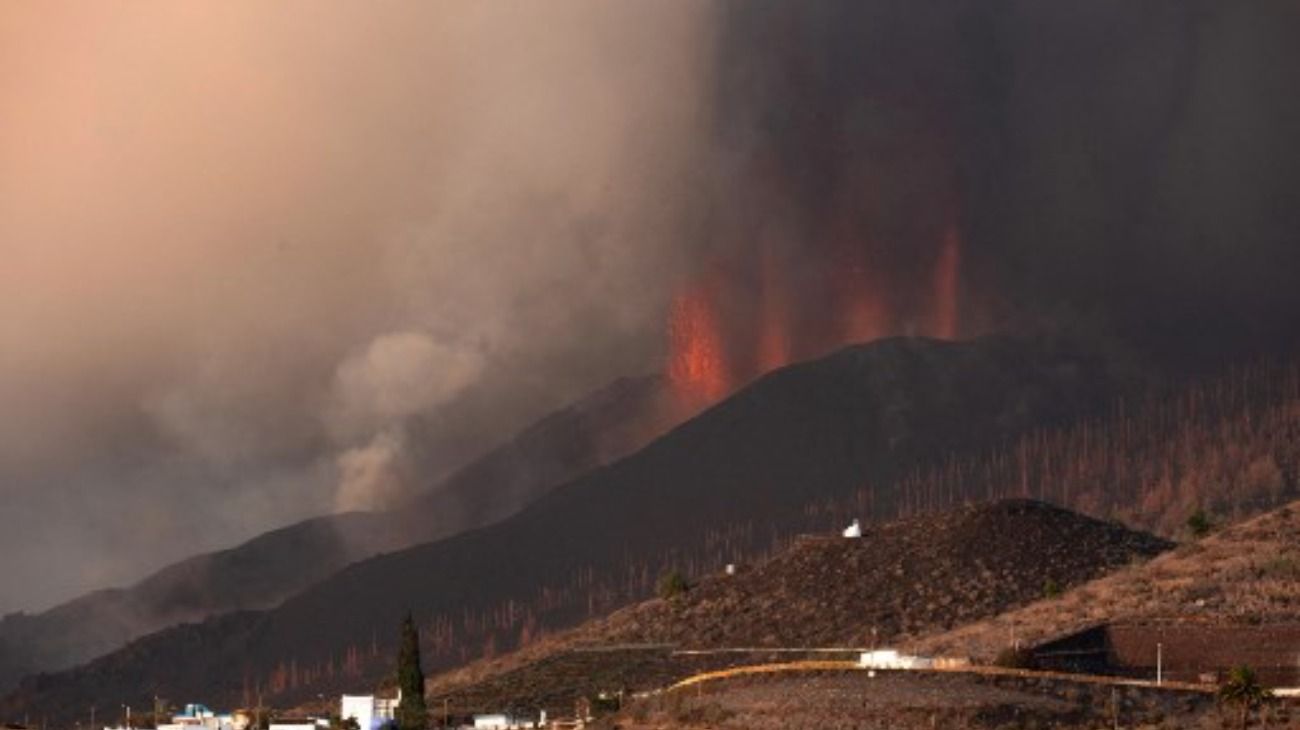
259	262
263	260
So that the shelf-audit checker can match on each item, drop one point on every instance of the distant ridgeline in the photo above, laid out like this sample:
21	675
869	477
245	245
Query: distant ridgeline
874	432
1229	445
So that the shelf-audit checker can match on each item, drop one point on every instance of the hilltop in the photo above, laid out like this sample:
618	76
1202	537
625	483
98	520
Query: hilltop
1247	574
906	578
896	427
727	485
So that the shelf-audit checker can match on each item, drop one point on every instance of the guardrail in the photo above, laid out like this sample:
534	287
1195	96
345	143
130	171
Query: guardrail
813	665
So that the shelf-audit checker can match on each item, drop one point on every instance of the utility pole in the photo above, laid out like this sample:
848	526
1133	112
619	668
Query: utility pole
92	717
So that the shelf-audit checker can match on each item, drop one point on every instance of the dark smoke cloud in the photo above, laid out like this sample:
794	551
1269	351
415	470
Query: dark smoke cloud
268	261
1130	168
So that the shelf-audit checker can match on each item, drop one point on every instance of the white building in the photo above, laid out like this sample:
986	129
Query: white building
890	659
501	721
370	712
199	717
853	530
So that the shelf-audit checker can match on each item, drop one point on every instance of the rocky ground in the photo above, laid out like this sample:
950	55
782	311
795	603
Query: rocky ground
1247	574
908	578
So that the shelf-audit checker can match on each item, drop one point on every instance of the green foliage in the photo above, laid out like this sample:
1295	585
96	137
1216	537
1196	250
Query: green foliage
1242	689
1051	589
412	714
1199	524
671	585
347	723
1282	567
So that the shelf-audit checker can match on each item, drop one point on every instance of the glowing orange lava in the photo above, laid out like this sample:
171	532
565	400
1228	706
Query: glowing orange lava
697	366
781	308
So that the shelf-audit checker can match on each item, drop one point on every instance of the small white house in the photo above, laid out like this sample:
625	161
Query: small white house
370	712
198	717
891	659
853	530
502	721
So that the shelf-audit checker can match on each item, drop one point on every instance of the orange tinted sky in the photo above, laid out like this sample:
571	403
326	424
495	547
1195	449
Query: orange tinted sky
210	210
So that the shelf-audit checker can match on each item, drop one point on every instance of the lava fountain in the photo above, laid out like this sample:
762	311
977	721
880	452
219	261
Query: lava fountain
697	366
761	312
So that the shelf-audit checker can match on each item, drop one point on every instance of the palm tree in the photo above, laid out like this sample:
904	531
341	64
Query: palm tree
1242	688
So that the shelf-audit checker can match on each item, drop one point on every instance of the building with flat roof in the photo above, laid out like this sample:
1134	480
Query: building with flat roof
369	711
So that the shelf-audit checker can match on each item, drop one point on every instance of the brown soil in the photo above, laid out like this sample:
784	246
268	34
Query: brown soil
1248	574
906	578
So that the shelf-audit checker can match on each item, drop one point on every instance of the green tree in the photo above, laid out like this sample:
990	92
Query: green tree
1051	589
1199	524
671	585
412	714
1242	689
345	723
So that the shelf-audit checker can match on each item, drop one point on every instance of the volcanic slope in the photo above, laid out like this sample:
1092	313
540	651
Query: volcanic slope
730	482
262	572
1246	575
907	578
901	579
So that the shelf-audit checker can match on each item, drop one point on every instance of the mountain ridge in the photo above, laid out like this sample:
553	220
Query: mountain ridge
729	481
263	571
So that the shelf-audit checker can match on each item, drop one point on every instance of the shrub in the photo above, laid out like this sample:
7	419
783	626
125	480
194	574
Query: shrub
1051	589
1243	689
1199	524
671	585
1282	567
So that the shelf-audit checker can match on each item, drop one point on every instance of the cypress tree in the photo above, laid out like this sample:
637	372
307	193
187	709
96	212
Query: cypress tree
411	711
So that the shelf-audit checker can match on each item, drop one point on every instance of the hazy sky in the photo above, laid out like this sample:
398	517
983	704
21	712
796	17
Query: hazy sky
263	260
243	244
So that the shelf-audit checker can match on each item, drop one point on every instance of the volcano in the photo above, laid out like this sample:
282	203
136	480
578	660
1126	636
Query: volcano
733	480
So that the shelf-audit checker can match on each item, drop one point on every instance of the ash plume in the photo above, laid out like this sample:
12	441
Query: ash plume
256	268
265	262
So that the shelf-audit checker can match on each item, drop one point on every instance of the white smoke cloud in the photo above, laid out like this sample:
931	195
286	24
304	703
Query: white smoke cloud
375	475
396	376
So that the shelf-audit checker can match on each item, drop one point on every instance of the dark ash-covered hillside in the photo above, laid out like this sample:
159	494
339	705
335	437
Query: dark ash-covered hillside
264	571
729	483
